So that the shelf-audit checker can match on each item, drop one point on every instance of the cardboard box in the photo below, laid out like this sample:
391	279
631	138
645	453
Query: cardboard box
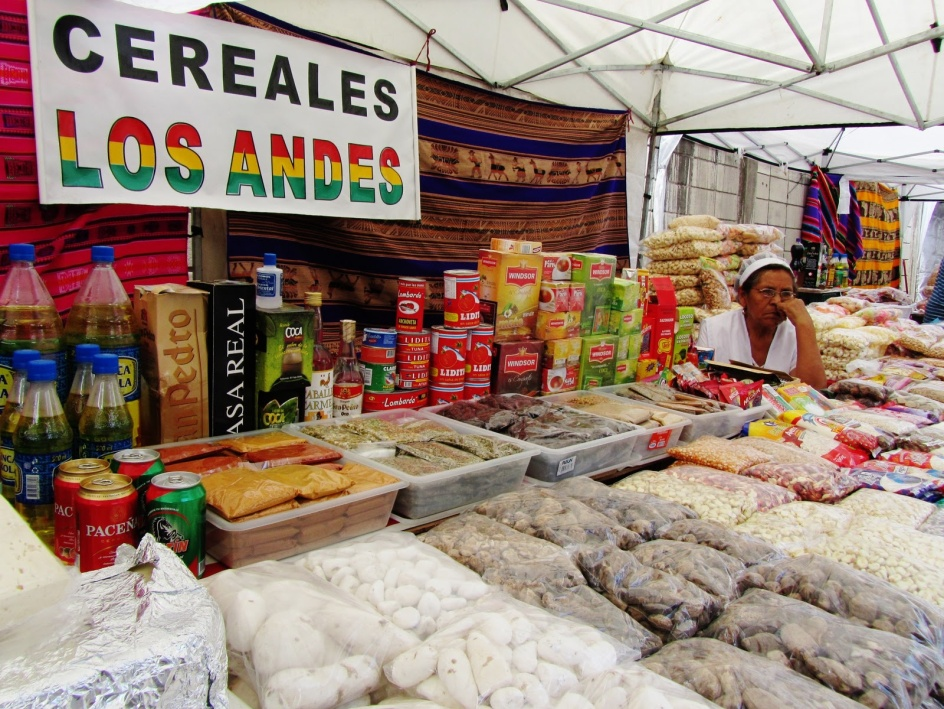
624	295
231	317
625	322
284	346
685	323
174	363
555	297
597	361
281	405
562	353
658	327
596	272
509	292
559	379
516	246
517	367
555	267
624	371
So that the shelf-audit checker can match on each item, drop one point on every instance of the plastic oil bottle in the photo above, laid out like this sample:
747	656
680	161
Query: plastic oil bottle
268	284
105	424
9	419
28	319
79	391
43	440
102	315
319	400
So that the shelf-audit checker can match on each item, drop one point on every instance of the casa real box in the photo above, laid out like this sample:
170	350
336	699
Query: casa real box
230	348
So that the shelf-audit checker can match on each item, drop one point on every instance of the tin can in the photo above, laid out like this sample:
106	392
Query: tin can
380	337
411	341
448	357
378	355
461	298
476	390
65	485
412	375
175	504
378	377
478	354
413	357
411	304
107	516
445	394
139	464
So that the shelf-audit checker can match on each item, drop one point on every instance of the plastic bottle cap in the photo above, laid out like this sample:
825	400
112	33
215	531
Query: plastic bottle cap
41	370
268	259
85	352
22	252
103	254
105	364
22	357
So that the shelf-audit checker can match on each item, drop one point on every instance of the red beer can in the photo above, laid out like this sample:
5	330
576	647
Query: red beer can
448	357
478	354
64	488
461	298
411	304
107	515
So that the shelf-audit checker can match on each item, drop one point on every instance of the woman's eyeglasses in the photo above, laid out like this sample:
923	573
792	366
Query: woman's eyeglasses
770	293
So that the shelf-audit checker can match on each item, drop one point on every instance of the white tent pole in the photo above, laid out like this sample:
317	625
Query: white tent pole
909	96
799	34
827	22
650	164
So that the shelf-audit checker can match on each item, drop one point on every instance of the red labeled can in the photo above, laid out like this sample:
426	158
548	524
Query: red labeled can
448	357
461	298
476	390
412	341
445	395
139	464
65	485
478	354
413	357
411	304
176	515
107	516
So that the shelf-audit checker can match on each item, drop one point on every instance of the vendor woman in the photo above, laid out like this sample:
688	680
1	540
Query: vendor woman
773	331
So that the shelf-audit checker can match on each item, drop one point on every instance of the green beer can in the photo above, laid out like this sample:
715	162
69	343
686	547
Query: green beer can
175	509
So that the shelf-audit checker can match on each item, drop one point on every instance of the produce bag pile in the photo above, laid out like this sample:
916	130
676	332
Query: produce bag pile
711	503
602	405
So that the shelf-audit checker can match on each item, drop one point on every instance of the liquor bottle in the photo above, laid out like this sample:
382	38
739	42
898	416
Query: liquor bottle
319	401
105	424
28	319
102	315
79	391
10	417
348	381
41	442
268	284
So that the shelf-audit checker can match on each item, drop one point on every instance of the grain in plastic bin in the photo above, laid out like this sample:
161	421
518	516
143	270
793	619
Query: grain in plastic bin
426	495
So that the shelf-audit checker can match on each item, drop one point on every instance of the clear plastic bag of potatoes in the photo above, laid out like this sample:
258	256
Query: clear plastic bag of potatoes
766	495
719	453
721	506
670	606
711	570
744	547
876	668
629	685
854	595
637	511
543	513
735	679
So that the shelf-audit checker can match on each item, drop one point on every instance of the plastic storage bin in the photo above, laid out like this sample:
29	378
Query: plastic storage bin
313	525
426	495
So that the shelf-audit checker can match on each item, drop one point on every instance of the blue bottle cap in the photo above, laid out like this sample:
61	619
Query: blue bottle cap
22	252
105	364
103	254
268	259
22	357
41	370
85	352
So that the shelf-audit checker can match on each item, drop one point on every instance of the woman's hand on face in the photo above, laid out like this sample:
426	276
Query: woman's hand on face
796	312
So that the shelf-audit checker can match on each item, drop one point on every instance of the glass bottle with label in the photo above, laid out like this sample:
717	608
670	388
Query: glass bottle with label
42	441
102	314
105	424
319	397
79	391
348	380
10	417
28	318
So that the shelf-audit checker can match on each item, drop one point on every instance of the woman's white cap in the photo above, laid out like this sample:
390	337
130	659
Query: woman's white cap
754	263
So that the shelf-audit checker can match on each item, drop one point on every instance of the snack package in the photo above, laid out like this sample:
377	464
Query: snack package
744	547
786	453
713	286
767	496
917	459
810	441
711	570
811	483
862	436
718	453
873	667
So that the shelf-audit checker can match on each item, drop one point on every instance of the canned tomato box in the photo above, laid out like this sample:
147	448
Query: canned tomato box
479	349
461	298
445	394
69	476
411	304
175	509
107	516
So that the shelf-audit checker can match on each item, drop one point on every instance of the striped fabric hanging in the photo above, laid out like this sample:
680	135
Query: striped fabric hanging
822	223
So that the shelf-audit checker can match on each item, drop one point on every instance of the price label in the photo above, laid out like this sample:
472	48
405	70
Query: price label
566	465
659	440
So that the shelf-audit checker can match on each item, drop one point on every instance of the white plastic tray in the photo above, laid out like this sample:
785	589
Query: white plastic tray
431	494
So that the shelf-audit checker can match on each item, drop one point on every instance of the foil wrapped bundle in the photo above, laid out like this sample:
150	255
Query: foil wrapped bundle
142	633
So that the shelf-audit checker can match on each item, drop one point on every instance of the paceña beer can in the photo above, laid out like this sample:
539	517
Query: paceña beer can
175	504
139	464
106	516
64	488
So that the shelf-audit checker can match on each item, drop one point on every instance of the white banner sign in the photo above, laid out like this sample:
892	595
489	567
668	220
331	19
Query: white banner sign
145	107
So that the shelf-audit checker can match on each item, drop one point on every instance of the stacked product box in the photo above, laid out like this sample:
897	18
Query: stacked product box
284	348
561	365
658	329
684	327
626	323
596	272
510	292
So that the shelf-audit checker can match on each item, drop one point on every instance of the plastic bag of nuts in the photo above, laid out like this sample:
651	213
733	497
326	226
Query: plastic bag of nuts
735	679
639	512
812	483
749	550
711	570
798	528
786	453
934	524
766	495
631	686
876	668
851	594
719	506
891	506
719	453
670	606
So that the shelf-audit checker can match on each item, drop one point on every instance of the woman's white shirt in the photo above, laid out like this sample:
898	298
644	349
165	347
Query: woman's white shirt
727	334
